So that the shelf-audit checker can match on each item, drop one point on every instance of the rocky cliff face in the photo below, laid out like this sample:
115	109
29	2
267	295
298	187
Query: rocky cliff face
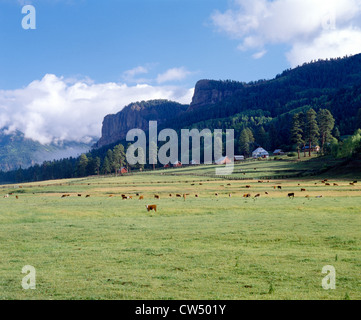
208	92
137	115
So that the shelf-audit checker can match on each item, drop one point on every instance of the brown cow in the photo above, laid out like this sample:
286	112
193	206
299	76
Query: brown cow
156	196
196	195
247	195
257	195
151	207
303	190
248	187
79	195
87	196
178	195
17	197
141	197
335	184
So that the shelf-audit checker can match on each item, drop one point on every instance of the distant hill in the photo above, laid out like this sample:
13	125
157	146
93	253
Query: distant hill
16	151
334	84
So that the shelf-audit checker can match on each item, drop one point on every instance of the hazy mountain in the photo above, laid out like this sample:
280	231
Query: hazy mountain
16	151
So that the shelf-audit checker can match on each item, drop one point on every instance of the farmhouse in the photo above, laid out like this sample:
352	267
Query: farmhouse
223	160
313	148
238	158
194	162
278	152
177	164
260	153
123	170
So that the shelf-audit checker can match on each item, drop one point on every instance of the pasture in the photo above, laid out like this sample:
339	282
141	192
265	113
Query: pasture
210	247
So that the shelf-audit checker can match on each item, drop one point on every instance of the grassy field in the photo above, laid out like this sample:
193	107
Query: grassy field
211	247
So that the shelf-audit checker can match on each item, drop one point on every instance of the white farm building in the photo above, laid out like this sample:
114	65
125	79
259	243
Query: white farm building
260	153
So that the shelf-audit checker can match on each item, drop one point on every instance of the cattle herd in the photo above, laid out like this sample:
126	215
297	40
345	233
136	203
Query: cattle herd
153	207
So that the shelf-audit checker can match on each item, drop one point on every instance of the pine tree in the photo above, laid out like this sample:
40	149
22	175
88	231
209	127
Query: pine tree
311	129
97	165
262	137
326	123
106	168
82	165
246	140
118	157
296	133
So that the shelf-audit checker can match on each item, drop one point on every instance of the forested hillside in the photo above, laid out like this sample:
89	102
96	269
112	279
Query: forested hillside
317	103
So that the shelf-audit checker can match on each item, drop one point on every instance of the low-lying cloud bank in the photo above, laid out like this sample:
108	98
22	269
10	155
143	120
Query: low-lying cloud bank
54	109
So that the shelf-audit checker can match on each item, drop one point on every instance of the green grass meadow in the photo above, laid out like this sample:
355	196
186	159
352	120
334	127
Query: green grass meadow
210	247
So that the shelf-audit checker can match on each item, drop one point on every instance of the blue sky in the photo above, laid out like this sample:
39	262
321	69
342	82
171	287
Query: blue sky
103	39
89	58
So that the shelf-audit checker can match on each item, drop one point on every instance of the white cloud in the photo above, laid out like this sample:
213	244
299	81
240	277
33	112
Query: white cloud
305	25
55	109
174	74
130	75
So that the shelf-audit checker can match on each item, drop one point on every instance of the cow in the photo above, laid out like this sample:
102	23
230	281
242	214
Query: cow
124	197
355	182
178	195
130	197
151	207
141	197
79	195
303	190
6	196
257	195
64	195
228	184
352	184
230	195
291	195
110	196
196	195
216	194
248	187
17	197
184	197
308	197
201	184
279	187
247	195
266	192
319	196
335	184
87	196
327	184
156	196
170	195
